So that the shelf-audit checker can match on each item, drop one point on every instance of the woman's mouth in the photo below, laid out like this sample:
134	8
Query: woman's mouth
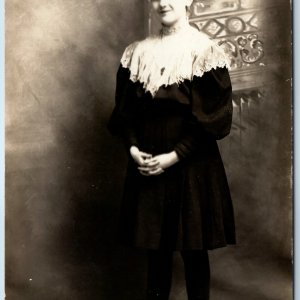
163	12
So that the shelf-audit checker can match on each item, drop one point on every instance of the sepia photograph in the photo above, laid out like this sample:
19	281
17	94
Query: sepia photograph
148	150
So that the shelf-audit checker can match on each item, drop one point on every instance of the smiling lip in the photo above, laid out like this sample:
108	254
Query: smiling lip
164	11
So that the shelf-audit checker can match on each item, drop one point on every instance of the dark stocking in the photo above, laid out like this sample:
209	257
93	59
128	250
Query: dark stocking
197	274
159	274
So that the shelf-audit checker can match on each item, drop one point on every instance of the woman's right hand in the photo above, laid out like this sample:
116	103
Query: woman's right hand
139	156
145	165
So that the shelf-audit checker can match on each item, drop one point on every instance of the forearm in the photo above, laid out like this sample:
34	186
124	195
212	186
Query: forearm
129	138
190	141
186	147
174	158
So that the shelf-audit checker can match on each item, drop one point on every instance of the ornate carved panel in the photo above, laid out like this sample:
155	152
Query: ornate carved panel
236	25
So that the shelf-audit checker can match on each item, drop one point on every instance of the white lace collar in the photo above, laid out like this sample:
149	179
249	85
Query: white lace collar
162	60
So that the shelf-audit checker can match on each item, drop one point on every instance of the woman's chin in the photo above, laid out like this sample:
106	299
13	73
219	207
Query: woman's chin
167	21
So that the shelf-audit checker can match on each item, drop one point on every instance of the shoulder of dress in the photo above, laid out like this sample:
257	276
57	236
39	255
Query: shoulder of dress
135	49
127	54
208	54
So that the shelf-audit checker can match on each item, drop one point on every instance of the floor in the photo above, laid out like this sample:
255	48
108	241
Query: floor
120	275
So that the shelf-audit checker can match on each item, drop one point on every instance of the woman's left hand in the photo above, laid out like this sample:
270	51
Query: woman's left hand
157	164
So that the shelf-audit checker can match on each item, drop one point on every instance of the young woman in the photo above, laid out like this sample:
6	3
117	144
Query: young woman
173	101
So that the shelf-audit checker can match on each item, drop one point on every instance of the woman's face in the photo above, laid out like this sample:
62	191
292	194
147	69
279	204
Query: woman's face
171	11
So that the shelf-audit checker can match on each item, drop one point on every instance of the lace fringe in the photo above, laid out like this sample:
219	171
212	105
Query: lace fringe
161	61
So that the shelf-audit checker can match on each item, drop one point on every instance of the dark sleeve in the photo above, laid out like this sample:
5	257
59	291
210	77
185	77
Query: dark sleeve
122	119
211	101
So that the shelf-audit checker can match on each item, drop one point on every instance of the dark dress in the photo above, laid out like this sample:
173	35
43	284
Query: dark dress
189	205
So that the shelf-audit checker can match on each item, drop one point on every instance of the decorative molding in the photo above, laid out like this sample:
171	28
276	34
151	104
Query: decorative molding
203	7
249	78
225	24
248	97
244	50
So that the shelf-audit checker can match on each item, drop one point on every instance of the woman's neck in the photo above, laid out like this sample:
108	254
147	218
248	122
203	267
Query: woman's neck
174	28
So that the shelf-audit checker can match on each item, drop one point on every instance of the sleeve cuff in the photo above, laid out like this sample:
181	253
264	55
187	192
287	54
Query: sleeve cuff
181	151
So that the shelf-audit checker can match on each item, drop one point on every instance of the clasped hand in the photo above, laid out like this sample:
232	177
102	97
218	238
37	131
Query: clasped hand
149	165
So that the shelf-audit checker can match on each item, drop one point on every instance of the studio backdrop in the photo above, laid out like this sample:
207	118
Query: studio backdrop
64	172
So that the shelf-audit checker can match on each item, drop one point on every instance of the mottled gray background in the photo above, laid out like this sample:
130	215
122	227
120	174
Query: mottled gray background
64	172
